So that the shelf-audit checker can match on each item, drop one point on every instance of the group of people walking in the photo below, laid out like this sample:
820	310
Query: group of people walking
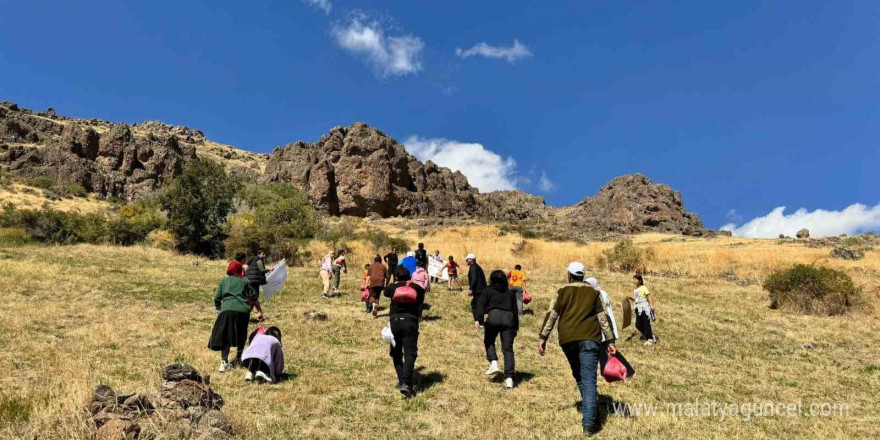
581	312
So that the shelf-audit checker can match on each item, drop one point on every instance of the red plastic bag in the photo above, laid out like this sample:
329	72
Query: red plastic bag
614	370
526	297
365	294
405	294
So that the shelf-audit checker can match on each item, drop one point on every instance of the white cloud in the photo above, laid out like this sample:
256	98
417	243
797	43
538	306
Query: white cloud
733	217
484	169
511	54
545	184
854	219
323	5
386	55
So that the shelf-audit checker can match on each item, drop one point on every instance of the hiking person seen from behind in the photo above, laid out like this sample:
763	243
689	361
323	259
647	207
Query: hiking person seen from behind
378	280
232	300
476	284
500	317
391	260
256	271
405	311
582	324
643	305
339	267
421	255
326	273
517	280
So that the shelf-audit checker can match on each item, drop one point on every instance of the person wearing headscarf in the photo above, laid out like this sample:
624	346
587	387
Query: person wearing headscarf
232	301
326	273
606	299
236	266
476	284
500	316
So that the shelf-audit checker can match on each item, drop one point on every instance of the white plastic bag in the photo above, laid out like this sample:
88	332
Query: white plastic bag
275	279
387	336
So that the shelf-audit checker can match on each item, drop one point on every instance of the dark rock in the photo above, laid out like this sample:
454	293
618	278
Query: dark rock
178	372
139	402
214	419
803	233
781	235
845	253
314	315
189	393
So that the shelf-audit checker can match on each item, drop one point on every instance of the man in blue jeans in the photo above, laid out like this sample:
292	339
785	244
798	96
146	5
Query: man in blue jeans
580	312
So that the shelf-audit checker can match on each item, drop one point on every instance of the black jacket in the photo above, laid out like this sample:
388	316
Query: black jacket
476	279
497	298
253	273
422	256
391	261
397	308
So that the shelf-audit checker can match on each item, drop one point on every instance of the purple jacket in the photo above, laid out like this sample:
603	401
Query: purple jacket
267	349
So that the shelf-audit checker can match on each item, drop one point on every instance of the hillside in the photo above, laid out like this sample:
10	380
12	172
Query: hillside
356	170
71	325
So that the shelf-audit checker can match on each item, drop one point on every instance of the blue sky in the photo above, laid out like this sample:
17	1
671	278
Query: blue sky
742	106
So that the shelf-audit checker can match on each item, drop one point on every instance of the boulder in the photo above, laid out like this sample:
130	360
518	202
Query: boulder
214	419
845	253
803	233
178	372
188	393
314	315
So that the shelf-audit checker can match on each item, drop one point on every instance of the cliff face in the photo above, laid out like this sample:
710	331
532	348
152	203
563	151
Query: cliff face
361	171
356	170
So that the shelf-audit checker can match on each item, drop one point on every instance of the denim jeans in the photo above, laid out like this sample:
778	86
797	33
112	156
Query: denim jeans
519	297
583	356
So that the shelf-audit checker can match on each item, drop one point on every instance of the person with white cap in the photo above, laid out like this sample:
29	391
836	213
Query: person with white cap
583	325
476	284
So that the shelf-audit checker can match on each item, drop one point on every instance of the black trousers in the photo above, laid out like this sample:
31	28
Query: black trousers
643	325
406	348
508	334
253	365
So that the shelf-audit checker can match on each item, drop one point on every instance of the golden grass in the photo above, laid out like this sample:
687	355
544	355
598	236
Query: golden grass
82	315
27	197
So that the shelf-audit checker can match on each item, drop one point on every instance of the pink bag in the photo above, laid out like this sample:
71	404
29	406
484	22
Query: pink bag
614	370
526	297
405	294
365	294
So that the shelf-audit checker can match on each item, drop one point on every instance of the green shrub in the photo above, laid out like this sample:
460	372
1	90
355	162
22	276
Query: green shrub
70	190
14	410
811	290
279	220
382	242
41	182
13	237
197	203
625	256
337	234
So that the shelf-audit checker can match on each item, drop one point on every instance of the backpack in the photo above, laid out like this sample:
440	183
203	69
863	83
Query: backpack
405	294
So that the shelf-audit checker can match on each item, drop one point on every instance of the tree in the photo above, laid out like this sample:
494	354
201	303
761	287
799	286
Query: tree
197	203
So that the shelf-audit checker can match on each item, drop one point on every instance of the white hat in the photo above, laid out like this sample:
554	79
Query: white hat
470	257
576	269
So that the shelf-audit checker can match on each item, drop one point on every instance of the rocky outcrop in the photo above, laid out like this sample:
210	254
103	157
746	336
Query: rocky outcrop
632	204
361	171
113	160
186	408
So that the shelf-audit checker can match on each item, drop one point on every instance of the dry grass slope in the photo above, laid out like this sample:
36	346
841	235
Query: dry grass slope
83	315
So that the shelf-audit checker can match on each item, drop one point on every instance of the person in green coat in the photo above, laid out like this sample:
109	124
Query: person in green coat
232	301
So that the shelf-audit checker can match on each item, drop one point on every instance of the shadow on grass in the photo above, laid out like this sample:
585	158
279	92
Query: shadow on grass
519	377
428	318
607	406
424	381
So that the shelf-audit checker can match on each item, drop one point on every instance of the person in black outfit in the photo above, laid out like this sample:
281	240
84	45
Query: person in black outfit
391	261
500	317
405	319
421	255
476	284
256	271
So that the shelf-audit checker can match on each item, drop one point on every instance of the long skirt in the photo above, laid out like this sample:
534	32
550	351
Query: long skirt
230	330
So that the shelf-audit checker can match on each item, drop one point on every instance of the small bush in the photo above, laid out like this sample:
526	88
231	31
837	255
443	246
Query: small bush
161	239
41	182
382	242
625	256
13	237
811	290
14	410
337	234
70	190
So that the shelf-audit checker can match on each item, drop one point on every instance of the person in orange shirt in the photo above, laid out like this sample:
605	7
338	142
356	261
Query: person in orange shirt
517	280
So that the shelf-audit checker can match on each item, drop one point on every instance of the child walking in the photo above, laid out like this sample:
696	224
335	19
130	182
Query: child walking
644	309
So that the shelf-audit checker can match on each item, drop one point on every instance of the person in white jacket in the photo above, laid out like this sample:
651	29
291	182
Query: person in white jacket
606	300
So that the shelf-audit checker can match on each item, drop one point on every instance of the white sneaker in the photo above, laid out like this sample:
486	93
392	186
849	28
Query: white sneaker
262	376
223	366
508	383
493	368
651	342
249	376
